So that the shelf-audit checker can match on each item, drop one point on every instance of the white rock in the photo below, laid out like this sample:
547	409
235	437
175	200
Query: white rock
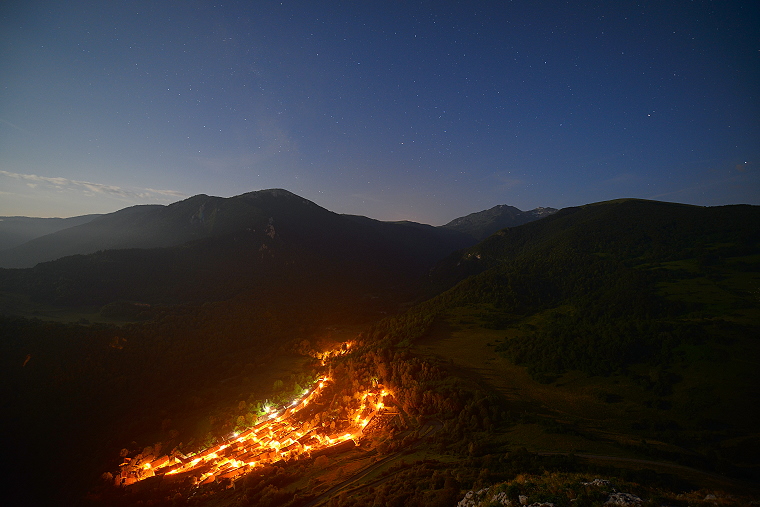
623	499
597	482
473	498
501	498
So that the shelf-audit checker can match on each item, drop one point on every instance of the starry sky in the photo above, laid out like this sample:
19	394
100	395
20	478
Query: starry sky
424	111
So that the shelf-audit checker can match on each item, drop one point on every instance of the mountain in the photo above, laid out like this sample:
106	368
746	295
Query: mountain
632	228
30	241
15	231
211	247
201	217
482	224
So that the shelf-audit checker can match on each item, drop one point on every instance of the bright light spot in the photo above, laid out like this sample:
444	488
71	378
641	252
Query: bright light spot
278	431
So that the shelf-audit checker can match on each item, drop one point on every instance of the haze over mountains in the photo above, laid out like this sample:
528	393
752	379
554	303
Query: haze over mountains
15	231
149	226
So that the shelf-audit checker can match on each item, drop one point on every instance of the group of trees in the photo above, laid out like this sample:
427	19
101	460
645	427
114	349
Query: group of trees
597	346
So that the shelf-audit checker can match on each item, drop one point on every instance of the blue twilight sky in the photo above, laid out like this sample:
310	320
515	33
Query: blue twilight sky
396	110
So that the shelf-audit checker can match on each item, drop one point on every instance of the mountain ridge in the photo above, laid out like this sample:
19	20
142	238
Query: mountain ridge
203	216
257	239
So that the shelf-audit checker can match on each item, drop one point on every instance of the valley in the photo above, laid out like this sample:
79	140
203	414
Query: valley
380	254
329	360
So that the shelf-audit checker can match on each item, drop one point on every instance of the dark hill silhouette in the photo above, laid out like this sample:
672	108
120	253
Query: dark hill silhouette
211	247
626	230
203	216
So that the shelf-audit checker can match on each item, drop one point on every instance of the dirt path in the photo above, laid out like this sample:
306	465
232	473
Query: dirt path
427	430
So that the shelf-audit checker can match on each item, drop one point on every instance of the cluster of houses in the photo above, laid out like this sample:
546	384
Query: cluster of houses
278	436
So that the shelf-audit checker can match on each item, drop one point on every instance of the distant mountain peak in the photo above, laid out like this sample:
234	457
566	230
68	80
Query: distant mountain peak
499	210
482	224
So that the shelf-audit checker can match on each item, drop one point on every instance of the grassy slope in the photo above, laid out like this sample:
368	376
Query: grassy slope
580	413
691	270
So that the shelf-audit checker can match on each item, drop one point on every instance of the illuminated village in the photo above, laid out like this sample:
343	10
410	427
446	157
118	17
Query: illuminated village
281	434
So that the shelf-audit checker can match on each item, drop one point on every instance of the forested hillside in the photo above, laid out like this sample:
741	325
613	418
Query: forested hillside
653	307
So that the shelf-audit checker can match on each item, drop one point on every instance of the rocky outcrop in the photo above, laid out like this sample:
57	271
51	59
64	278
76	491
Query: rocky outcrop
485	497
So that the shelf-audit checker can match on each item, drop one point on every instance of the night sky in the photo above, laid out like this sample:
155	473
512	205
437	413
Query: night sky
396	110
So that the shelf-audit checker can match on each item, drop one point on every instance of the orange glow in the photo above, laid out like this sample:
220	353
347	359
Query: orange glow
277	436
